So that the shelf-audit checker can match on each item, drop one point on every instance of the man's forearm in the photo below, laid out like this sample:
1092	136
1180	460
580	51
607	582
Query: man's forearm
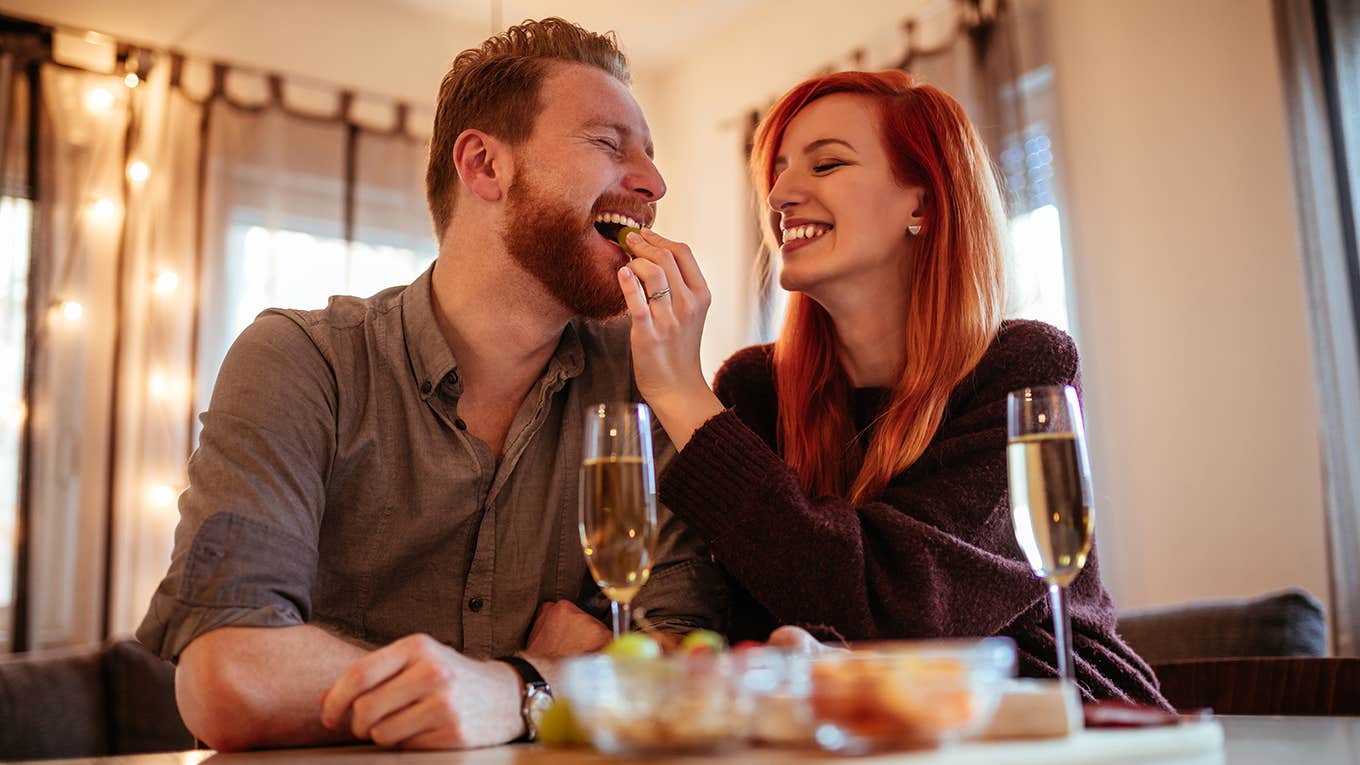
247	687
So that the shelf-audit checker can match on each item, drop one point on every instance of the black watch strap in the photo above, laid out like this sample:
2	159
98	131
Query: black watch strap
532	682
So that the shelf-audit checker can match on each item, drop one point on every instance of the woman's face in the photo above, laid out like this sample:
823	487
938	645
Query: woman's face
842	216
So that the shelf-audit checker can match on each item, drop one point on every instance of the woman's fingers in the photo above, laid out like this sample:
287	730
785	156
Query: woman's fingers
635	296
650	253
679	255
658	289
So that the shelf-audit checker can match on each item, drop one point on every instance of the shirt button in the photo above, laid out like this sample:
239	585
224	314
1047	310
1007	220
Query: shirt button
426	387
475	605
458	423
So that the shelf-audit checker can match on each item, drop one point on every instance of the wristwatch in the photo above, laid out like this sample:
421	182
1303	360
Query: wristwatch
535	695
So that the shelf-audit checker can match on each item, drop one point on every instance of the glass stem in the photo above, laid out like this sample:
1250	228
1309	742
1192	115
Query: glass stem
623	617
1062	630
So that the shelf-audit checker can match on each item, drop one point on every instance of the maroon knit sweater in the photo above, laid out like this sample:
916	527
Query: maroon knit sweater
935	556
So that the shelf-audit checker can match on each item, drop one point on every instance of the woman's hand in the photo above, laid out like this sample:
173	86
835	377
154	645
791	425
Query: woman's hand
668	301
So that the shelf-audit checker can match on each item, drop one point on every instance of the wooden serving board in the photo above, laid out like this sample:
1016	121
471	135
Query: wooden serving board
1196	743
1193	743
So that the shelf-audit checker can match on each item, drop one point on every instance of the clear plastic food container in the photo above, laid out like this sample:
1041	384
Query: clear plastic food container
907	695
679	703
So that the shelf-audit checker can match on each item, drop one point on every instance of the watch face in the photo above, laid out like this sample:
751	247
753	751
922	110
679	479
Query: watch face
536	702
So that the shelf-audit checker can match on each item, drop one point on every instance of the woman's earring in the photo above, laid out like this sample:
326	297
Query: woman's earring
913	230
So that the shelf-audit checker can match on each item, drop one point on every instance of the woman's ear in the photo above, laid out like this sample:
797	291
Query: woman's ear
918	214
482	162
921	204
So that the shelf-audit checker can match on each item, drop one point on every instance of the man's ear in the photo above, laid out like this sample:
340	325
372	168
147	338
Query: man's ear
483	164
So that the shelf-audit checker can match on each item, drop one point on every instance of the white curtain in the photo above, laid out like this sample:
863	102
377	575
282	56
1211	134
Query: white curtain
172	208
16	210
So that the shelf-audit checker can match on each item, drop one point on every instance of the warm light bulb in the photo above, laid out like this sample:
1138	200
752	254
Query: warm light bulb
132	80
17	413
166	282
99	100
72	310
139	171
103	208
158	385
162	495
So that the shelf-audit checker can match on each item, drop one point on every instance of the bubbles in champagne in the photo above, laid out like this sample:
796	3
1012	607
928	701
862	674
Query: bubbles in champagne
1053	521
618	524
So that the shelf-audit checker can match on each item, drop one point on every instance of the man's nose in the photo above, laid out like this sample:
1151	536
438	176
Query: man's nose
645	180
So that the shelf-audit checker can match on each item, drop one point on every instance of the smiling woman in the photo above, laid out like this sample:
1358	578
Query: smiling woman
851	478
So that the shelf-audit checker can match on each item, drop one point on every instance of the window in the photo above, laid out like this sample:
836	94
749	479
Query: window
15	221
1039	278
293	269
1038	270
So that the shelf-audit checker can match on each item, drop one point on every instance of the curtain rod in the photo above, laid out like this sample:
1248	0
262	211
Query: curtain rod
970	15
117	41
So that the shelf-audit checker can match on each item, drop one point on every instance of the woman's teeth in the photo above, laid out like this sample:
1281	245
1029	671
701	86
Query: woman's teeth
622	220
810	231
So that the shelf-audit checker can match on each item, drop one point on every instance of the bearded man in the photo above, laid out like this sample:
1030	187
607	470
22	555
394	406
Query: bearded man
382	506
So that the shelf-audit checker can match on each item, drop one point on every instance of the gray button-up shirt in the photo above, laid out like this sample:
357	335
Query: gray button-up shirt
335	484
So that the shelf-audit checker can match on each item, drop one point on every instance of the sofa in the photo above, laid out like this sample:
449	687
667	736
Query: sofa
114	699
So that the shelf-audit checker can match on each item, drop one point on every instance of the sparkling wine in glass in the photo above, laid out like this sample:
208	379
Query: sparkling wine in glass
618	503
1050	488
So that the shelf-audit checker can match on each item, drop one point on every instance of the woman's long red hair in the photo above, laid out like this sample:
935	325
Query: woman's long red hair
956	292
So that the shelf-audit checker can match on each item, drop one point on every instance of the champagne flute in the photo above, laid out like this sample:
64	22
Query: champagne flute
1050	487
618	503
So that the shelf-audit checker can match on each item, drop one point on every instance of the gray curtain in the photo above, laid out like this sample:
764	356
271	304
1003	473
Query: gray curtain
1320	62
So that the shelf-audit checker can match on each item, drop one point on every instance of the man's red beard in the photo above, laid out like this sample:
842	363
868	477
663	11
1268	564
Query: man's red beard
549	241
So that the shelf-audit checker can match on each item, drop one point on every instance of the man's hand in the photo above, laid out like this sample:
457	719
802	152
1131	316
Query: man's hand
418	693
797	639
561	629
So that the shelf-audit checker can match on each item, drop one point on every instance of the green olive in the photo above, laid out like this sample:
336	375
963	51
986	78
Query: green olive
622	238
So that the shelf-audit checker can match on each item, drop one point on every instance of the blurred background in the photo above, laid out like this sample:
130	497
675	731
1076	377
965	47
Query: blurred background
1177	174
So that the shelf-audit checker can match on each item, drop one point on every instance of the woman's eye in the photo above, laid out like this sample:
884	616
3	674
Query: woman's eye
826	166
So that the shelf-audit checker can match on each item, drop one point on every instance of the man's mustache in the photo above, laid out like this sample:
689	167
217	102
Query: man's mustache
642	212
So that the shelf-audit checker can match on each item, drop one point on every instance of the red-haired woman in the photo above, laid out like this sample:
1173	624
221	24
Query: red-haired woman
852	477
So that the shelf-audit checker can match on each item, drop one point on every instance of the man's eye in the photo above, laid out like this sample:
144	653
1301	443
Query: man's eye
608	144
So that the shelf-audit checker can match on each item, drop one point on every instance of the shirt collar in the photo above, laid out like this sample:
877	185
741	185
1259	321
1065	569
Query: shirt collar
428	351
432	362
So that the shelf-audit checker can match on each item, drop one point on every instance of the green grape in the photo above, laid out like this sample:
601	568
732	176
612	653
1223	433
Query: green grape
558	726
703	641
634	645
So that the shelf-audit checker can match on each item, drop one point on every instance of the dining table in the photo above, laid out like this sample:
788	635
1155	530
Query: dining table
1232	740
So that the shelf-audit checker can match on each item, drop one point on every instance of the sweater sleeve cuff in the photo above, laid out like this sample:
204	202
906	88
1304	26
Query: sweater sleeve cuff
711	484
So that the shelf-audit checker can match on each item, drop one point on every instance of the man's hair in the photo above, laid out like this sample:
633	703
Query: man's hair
495	87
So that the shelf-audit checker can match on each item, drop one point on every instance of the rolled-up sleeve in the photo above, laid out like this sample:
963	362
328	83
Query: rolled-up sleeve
245	549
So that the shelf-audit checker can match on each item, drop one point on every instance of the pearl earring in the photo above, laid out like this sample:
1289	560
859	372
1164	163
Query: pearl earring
913	230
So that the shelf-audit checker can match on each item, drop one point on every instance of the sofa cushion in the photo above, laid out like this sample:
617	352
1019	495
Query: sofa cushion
140	688
1287	623
53	705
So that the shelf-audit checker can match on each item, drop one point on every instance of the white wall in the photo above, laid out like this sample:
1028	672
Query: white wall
1190	299
1185	270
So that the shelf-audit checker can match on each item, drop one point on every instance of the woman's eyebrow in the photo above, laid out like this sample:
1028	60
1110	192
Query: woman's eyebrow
820	142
